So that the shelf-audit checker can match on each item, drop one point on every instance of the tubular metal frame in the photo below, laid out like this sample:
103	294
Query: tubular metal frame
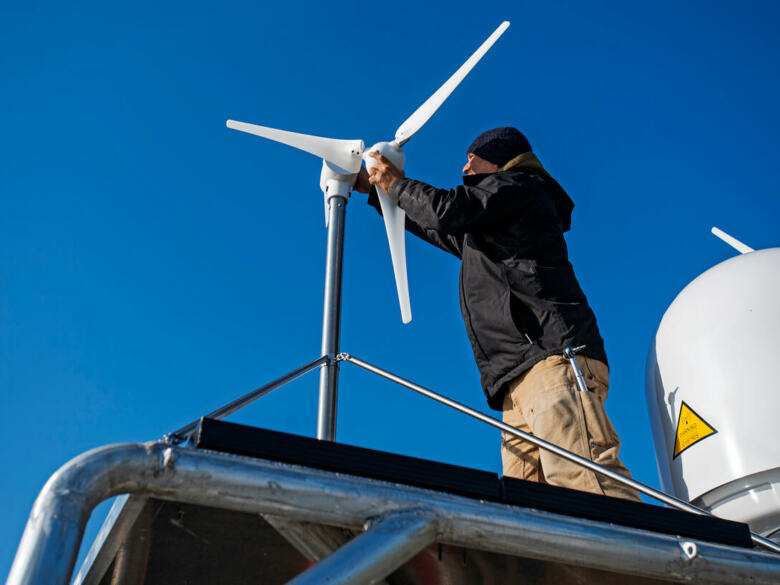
387	544
185	433
50	543
542	444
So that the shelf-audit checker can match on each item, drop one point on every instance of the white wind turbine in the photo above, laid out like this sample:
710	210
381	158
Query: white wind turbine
342	161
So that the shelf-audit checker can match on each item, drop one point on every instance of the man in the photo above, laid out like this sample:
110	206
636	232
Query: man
521	303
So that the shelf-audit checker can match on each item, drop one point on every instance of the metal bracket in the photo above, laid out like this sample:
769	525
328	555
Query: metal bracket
569	354
335	182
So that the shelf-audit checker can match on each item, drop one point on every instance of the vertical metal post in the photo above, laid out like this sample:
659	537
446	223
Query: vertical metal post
331	319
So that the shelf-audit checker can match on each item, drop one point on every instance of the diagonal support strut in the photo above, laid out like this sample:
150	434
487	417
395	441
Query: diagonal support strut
387	544
542	444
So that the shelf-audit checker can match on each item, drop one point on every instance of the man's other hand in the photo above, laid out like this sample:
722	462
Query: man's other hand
362	184
383	174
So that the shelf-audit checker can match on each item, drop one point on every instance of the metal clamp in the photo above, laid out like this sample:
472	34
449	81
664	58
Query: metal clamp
570	354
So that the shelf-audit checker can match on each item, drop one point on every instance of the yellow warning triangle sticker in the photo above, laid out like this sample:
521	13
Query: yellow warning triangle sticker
691	428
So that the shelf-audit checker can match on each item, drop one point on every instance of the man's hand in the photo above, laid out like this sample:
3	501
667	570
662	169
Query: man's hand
361	183
383	174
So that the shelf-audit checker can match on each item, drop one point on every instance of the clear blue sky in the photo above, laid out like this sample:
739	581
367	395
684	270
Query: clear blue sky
155	265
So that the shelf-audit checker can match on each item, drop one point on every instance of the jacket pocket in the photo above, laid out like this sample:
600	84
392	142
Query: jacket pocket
522	282
524	319
465	308
487	310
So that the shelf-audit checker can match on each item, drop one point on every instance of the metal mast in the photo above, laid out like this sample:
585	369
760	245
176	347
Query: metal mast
331	319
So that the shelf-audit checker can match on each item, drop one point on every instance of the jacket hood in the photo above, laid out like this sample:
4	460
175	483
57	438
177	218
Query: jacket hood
529	163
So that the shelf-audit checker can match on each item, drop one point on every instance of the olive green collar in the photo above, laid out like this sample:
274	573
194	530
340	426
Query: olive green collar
526	162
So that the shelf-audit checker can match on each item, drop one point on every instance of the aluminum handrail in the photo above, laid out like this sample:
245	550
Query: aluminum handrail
542	444
50	544
186	432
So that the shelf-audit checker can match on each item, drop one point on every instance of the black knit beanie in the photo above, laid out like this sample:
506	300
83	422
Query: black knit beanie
500	145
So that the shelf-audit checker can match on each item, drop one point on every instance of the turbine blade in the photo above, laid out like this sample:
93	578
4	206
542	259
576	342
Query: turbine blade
395	220
417	120
344	153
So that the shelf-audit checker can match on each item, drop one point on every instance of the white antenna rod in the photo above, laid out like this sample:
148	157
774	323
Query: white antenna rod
732	241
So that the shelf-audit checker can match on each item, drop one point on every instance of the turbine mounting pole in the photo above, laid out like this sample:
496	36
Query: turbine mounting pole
341	162
331	318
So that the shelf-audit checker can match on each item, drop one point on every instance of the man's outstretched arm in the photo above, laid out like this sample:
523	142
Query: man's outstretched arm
450	211
447	242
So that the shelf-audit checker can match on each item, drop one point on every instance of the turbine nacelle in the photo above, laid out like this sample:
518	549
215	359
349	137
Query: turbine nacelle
335	181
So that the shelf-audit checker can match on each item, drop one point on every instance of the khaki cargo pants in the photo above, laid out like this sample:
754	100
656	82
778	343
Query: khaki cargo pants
545	402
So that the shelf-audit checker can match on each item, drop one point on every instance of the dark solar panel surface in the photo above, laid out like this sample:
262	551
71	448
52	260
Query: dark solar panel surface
254	442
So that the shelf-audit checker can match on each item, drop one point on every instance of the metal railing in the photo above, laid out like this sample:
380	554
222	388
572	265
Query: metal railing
187	431
386	511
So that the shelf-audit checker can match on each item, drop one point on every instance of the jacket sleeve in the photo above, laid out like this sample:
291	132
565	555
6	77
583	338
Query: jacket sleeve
447	242
467	207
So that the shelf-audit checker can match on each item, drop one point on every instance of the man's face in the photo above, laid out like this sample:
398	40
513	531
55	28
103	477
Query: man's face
476	165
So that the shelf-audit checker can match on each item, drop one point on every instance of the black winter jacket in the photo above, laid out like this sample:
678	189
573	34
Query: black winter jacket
520	300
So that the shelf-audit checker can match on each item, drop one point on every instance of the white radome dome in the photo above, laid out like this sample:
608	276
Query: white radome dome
713	391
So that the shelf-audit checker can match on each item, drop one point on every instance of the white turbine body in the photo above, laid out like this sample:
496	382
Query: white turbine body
342	162
712	391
